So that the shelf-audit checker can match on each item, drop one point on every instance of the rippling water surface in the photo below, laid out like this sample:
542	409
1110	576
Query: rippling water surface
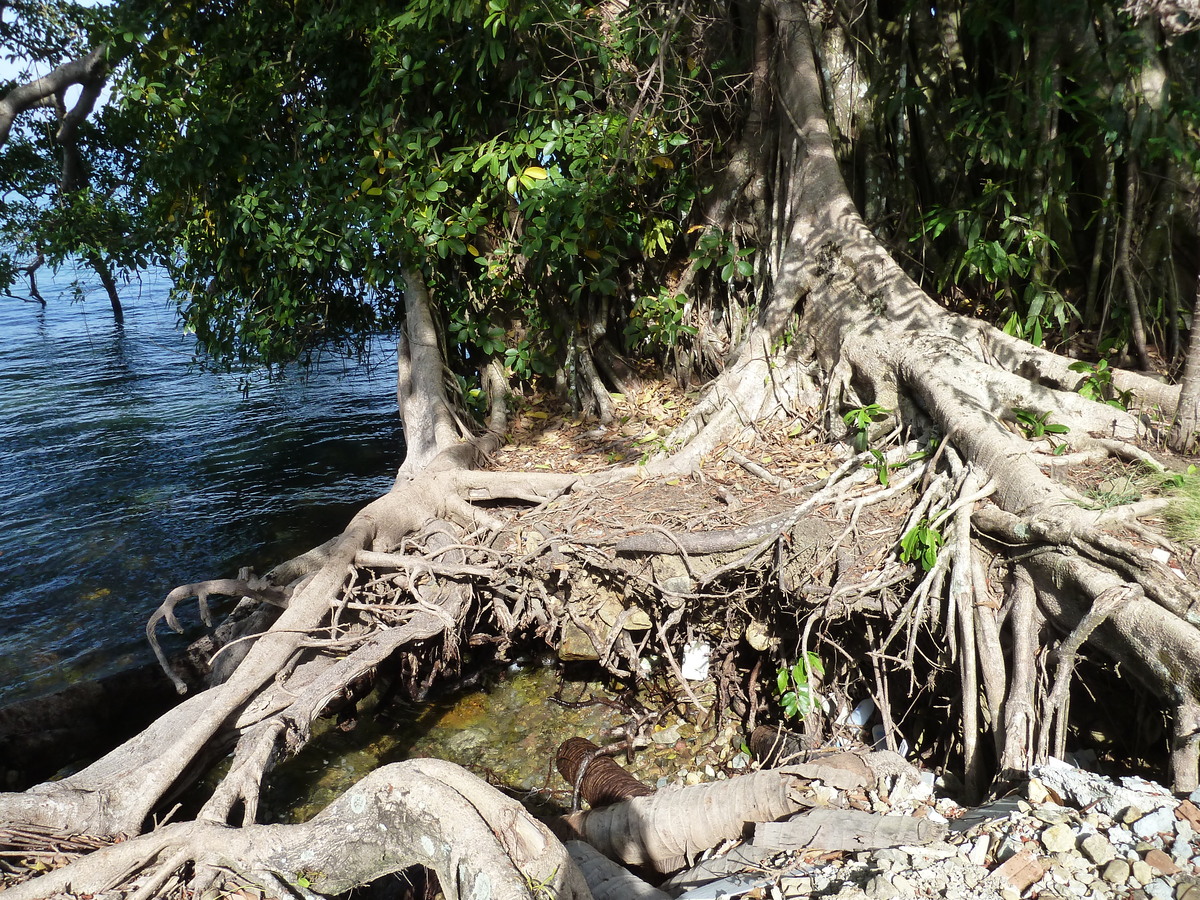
125	470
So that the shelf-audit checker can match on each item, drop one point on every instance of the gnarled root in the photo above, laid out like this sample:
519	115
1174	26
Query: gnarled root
668	828
418	813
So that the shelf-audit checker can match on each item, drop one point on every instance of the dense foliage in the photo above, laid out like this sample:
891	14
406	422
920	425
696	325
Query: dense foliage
1043	164
547	166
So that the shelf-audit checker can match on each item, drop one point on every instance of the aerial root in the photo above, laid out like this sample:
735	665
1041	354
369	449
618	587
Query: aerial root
1053	732
245	585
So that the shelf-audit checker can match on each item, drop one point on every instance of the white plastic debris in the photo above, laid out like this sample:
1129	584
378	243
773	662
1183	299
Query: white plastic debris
695	660
862	713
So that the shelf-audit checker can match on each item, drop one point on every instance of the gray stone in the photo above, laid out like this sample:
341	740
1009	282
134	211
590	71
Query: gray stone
891	857
902	885
1009	847
668	735
796	885
1097	848
1159	889
1157	822
1116	872
879	888
1052	814
1121	836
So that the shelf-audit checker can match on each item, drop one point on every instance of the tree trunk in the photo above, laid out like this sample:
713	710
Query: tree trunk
1185	430
110	286
874	337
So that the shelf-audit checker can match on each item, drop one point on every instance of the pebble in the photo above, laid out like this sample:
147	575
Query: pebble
1058	839
1116	872
1097	848
1158	822
1136	848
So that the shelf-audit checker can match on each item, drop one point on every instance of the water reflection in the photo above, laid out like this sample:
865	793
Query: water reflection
125	471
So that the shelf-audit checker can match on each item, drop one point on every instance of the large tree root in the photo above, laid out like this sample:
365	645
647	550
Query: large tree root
419	813
1018	566
666	830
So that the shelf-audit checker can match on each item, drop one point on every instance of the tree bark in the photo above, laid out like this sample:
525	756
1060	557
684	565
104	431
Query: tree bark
1185	429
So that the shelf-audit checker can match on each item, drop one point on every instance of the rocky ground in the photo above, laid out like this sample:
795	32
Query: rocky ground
1068	834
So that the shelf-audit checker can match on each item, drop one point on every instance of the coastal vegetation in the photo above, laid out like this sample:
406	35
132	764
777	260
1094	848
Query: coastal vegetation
849	347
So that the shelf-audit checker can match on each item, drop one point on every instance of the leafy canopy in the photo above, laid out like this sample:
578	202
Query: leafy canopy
292	157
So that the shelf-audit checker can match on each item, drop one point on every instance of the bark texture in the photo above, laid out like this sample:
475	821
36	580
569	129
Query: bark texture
1023	570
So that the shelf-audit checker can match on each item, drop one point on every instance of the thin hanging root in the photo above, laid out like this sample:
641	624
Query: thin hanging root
1054	705
244	586
962	611
1020	717
991	652
683	682
911	614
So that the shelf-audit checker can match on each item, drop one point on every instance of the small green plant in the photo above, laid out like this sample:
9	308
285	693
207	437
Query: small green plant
884	468
797	694
715	248
544	889
921	543
1097	384
1034	425
652	445
861	418
306	879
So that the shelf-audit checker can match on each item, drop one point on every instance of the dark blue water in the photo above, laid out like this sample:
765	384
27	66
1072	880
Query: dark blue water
125	470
